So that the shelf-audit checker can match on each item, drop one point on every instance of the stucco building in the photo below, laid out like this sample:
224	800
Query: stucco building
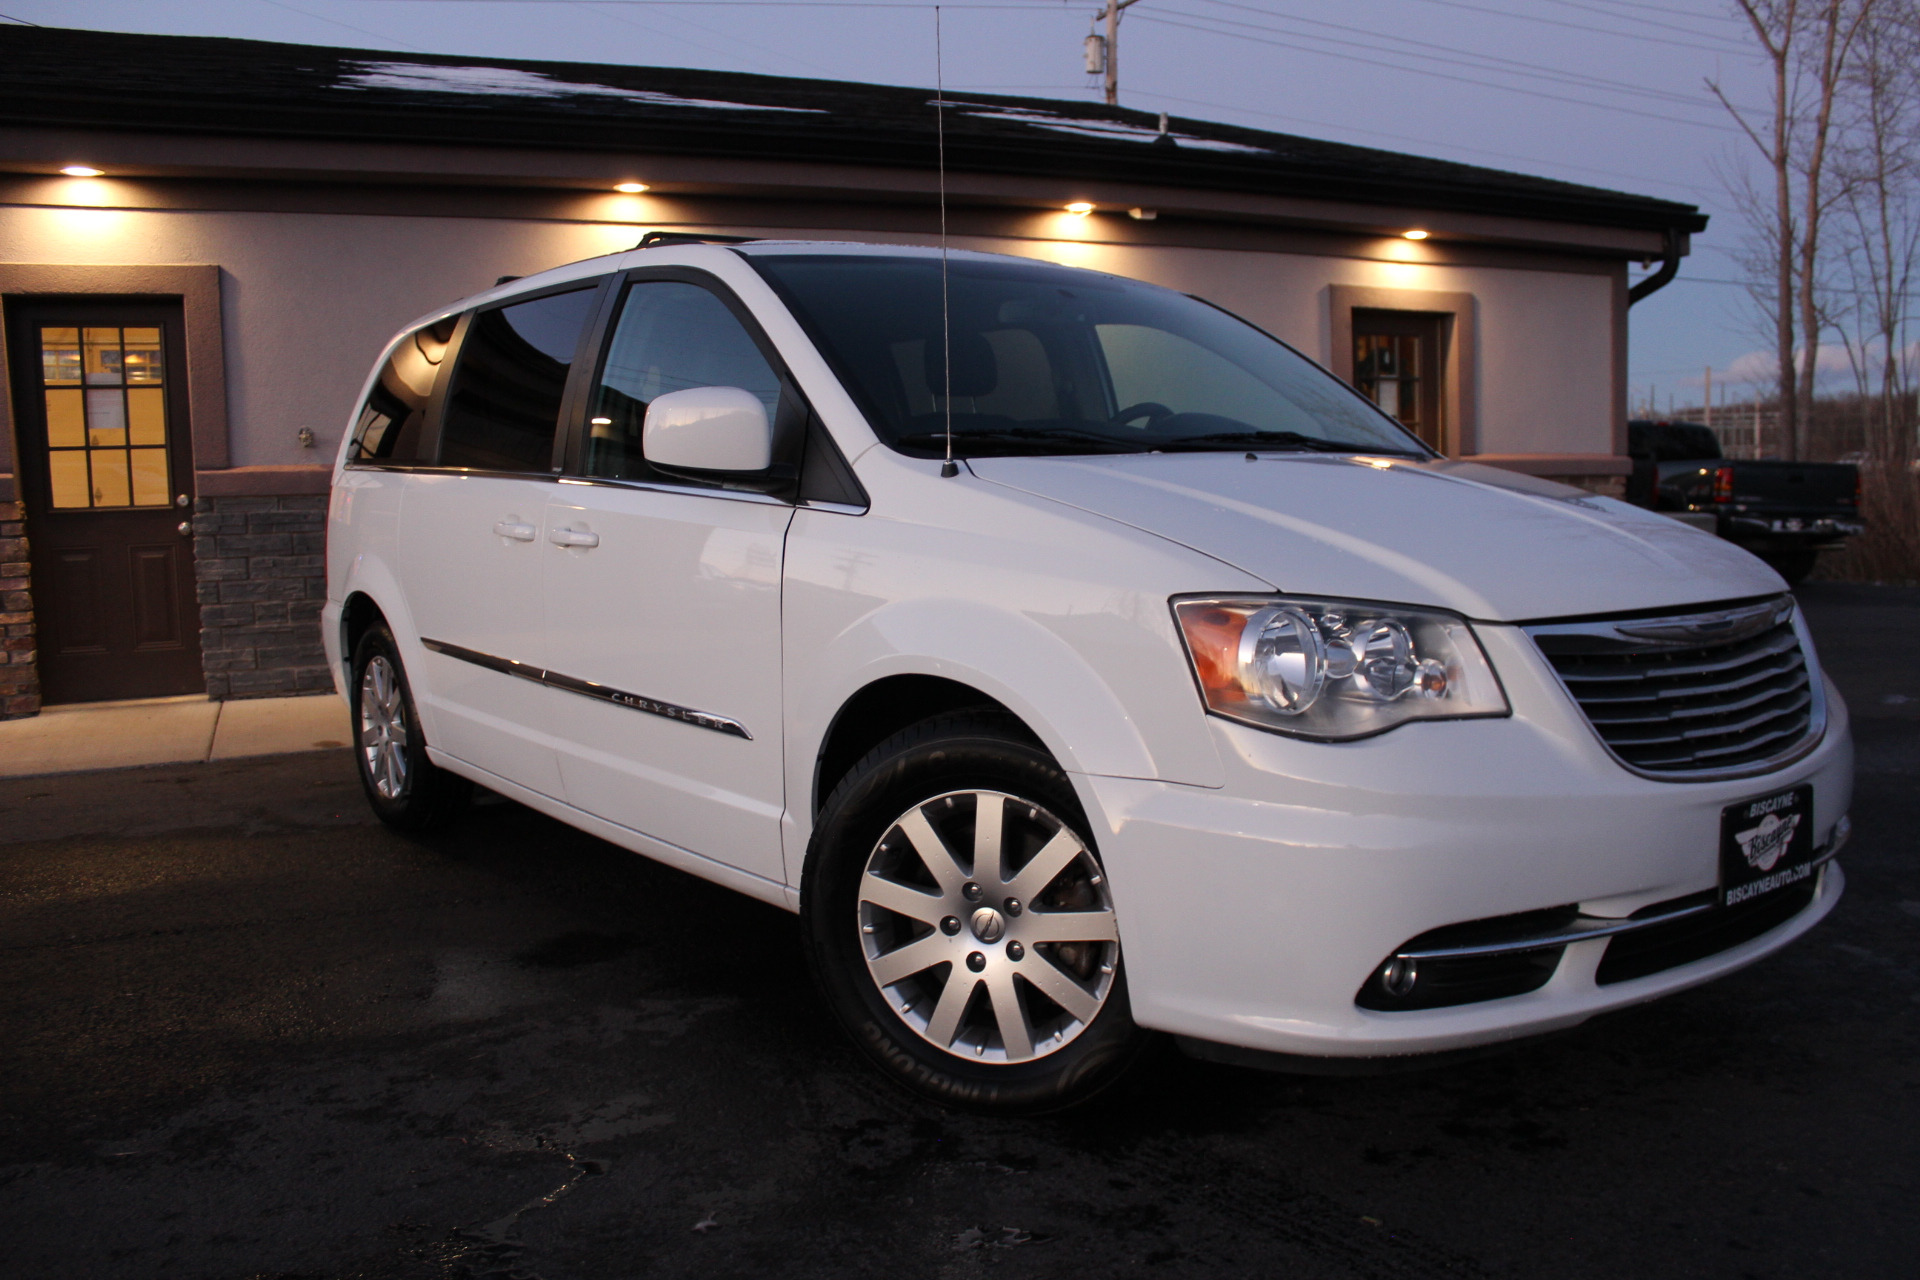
190	318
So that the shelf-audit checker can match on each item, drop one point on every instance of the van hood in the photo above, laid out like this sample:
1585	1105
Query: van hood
1477	540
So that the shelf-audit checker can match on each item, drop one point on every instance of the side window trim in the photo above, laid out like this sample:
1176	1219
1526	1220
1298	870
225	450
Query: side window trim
793	401
570	448
436	403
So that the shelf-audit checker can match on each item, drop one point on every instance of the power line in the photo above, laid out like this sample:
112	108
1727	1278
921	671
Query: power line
921	5
1703	192
1725	46
1472	60
1614	13
1439	75
346	26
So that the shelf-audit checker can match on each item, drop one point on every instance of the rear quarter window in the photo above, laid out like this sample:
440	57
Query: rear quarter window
389	429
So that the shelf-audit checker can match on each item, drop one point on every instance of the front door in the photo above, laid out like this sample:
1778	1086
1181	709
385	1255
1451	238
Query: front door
1398	363
106	469
663	601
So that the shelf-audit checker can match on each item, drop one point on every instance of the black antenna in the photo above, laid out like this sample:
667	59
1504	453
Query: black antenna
948	468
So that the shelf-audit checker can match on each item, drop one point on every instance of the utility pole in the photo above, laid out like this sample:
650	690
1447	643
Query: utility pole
1108	48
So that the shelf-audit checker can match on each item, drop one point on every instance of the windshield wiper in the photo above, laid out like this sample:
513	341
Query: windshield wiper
1285	441
1035	440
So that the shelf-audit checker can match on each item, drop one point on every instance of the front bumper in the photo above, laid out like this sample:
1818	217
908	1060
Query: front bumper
1253	915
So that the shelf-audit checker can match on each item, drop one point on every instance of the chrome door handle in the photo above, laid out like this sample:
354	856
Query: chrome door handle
572	538
518	532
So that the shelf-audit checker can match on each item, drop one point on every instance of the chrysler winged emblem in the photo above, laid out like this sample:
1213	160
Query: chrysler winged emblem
1764	844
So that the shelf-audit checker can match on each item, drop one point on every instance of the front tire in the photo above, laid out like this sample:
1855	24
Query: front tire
407	790
959	921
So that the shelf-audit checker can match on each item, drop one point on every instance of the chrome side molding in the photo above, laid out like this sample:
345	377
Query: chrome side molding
589	689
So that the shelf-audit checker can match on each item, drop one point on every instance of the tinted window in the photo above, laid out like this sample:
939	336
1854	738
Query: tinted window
1035	358
512	371
671	336
389	426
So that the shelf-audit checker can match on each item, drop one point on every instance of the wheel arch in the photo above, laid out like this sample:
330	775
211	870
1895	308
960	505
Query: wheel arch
359	613
881	709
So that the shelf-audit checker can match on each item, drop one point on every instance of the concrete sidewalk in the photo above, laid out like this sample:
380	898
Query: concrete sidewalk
118	735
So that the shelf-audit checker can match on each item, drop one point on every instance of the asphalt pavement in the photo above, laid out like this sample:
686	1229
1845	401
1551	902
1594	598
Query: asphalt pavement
250	1033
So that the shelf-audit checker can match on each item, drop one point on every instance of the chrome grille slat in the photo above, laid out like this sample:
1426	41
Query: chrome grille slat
1619	692
1713	731
1787	645
1669	714
1671	696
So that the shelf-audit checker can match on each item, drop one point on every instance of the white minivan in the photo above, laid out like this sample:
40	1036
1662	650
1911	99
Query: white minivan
1079	661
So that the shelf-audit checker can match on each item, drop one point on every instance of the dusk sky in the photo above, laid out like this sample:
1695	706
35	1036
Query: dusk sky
1609	93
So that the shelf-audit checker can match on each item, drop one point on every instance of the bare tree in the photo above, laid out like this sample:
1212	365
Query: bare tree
1879	159
1808	45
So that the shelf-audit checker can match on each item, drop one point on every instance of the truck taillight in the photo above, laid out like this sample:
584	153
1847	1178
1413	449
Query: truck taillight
1723	484
1859	491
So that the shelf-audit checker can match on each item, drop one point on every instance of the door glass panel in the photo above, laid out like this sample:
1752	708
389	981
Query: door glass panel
672	336
103	356
106	417
90	430
149	477
512	372
66	418
142	359
146	415
110	478
60	356
69	470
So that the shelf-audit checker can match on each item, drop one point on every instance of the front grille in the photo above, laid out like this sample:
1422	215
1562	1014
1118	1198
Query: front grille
1711	692
1668	946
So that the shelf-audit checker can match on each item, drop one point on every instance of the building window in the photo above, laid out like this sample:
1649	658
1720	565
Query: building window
1399	363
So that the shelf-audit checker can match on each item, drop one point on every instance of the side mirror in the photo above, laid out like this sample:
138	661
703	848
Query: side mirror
708	429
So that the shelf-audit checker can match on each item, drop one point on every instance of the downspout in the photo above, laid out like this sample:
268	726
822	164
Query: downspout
1672	247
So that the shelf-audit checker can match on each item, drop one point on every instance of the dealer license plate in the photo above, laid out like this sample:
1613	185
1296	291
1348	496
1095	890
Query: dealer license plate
1766	845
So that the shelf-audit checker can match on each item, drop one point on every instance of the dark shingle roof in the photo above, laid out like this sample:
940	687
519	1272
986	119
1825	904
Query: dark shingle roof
109	80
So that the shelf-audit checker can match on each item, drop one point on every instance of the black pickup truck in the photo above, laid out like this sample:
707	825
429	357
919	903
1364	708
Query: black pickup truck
1784	512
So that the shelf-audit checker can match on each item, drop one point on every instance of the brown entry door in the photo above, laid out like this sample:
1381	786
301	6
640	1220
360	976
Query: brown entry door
1399	363
106	466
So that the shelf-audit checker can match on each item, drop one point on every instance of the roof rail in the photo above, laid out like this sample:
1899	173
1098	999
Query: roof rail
660	239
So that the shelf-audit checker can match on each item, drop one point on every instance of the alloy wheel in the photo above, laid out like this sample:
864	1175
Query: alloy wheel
987	926
383	728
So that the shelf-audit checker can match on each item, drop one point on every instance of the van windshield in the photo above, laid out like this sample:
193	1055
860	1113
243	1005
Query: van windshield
1052	360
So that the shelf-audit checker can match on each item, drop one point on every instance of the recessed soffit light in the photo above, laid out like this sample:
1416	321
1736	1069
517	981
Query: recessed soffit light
630	188
1414	235
81	171
1080	208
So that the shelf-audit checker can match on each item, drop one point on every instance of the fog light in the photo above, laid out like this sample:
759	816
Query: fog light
1398	975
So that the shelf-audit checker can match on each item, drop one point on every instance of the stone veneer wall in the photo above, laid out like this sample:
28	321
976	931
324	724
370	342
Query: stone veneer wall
260	563
19	672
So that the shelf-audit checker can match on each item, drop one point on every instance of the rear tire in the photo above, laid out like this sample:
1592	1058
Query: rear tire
407	790
959	923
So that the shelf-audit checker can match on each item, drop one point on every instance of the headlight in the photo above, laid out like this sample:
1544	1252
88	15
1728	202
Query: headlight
1334	669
